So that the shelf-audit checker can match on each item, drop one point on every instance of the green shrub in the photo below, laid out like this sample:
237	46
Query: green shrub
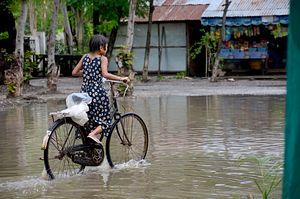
269	175
180	75
11	87
160	78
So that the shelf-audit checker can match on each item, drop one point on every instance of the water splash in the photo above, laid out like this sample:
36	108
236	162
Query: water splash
132	164
25	186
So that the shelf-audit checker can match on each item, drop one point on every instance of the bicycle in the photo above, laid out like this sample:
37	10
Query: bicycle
68	151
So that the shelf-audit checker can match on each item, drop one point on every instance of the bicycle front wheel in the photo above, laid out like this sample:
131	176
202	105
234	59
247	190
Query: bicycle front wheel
64	135
128	140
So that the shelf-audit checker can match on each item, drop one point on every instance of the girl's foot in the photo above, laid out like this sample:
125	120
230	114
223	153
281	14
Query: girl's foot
95	139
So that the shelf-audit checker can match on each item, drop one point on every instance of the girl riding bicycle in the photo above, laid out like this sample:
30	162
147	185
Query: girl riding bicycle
94	67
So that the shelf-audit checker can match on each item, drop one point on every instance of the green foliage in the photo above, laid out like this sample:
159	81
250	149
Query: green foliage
111	13
269	175
126	56
207	41
11	87
29	66
180	75
107	26
60	47
7	57
121	89
138	77
111	10
88	29
160	78
142	8
14	7
4	35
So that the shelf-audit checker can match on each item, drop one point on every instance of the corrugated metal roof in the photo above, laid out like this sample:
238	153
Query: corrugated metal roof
178	13
178	10
158	2
244	8
181	2
185	2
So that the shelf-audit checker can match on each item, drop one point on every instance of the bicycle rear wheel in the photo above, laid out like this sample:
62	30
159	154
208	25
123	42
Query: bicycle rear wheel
64	135
128	140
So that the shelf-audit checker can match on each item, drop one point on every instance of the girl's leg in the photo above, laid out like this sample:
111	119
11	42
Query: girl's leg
94	133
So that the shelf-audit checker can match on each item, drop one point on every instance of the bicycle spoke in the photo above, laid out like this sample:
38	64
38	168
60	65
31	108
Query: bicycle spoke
65	135
128	140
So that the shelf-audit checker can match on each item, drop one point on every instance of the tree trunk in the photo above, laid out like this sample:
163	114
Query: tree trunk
112	40
96	22
32	17
127	69
130	24
148	41
113	36
44	15
53	69
216	71
67	27
79	29
14	75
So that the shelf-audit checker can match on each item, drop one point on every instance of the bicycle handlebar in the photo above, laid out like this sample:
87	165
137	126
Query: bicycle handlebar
118	82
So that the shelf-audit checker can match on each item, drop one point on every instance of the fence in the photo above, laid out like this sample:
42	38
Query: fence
65	62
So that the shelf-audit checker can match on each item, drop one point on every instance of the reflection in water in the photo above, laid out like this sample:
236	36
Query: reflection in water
195	145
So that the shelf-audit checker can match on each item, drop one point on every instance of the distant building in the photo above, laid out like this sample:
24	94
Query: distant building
255	36
175	28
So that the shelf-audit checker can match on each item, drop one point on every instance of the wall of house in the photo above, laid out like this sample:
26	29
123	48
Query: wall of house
169	37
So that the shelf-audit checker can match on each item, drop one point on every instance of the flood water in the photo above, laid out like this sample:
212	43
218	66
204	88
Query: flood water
196	150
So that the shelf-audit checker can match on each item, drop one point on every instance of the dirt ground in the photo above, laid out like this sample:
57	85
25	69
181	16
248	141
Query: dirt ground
35	92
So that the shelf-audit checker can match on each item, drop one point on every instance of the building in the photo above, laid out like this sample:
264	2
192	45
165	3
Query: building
175	27
255	35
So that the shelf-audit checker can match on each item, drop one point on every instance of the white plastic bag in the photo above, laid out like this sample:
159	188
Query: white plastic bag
77	98
77	107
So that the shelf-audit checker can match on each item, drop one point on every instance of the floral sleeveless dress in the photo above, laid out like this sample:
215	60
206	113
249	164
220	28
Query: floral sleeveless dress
99	112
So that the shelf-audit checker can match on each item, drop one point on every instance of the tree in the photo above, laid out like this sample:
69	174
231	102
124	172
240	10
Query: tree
216	70
130	24
14	75
208	42
148	41
119	10
32	17
79	27
79	19
96	21
124	59
67	28
53	69
7	36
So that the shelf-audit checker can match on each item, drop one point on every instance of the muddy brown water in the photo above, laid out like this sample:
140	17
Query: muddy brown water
195	150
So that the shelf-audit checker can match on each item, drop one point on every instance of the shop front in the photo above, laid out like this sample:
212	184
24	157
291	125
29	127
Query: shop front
256	49
254	44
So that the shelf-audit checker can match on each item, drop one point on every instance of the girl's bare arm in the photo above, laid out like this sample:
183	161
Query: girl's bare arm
107	75
77	71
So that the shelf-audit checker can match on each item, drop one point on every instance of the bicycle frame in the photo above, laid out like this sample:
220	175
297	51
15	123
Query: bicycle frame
124	127
117	114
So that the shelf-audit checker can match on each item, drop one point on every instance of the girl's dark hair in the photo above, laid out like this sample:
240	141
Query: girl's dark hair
97	41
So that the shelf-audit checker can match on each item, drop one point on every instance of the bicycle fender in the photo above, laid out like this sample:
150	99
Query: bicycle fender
45	140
